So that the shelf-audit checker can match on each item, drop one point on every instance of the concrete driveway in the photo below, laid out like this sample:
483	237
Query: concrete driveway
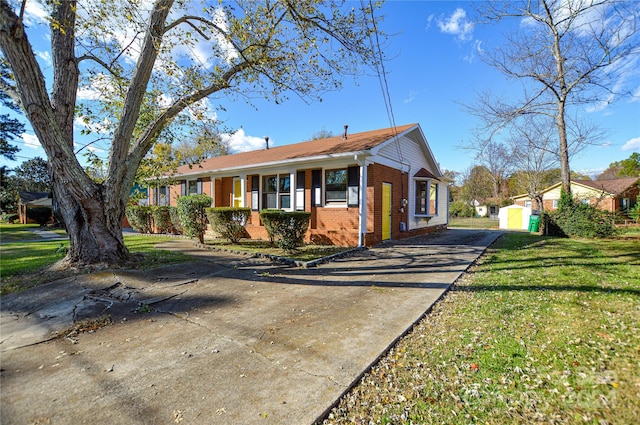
226	339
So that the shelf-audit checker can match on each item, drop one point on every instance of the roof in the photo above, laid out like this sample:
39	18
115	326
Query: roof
28	197
614	186
354	143
424	173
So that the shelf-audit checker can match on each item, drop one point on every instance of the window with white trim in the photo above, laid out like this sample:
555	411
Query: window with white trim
335	186
342	186
426	198
276	191
162	196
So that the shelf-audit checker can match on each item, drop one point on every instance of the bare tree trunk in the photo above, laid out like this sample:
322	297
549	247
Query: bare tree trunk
565	169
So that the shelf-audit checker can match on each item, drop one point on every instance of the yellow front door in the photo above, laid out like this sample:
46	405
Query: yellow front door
386	211
514	218
237	193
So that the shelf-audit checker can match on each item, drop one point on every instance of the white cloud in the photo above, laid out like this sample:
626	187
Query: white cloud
632	145
457	25
220	20
240	142
45	57
35	14
31	141
412	96
104	127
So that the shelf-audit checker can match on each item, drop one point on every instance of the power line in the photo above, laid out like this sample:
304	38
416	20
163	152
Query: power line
384	87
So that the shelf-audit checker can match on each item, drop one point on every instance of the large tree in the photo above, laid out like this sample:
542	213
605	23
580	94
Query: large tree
10	127
150	67
567	54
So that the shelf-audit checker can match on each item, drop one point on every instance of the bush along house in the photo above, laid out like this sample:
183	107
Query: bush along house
361	189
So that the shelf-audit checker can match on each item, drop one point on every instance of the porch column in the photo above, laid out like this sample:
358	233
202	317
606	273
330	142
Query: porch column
362	222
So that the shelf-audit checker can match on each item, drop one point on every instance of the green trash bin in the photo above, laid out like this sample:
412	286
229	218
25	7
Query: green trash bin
534	223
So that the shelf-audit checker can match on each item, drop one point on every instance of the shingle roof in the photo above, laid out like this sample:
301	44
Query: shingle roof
614	186
27	197
356	142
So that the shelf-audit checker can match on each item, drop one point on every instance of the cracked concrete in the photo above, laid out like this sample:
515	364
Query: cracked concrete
226	339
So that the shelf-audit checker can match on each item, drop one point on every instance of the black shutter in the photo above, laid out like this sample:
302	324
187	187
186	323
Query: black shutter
316	187
199	186
183	187
353	186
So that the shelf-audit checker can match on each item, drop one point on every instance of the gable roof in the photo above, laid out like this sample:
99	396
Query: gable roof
322	148
614	186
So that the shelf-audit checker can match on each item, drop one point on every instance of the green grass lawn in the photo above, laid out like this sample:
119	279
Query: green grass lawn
23	264
473	222
541	330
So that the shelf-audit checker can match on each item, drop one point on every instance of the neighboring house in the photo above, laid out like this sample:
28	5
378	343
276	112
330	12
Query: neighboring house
32	199
608	195
360	189
486	208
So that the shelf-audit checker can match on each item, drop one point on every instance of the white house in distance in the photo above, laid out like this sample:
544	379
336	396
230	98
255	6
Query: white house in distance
360	189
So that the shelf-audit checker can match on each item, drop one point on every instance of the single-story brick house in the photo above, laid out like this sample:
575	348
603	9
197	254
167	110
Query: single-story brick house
608	195
360	189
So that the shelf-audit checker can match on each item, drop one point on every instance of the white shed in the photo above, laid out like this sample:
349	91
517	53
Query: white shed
514	217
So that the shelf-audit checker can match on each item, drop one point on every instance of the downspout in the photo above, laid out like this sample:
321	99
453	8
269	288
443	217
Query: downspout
362	222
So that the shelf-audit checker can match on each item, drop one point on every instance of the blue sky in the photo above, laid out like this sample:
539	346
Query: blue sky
433	67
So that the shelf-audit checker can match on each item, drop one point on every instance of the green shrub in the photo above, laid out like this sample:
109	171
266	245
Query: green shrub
461	209
193	218
175	220
229	222
634	213
286	228
574	218
41	215
162	219
139	217
9	218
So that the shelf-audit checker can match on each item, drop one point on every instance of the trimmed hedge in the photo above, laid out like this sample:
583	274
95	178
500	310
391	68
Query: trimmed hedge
229	222
139	217
162	219
287	229
41	215
191	211
175	220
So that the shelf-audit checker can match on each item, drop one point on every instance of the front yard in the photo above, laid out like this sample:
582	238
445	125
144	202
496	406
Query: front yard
541	330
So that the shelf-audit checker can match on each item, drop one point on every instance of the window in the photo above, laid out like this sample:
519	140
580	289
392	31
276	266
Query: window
270	192
555	204
191	187
421	197
426	198
276	192
625	204
527	204
335	186
433	199
284	191
162	196
585	201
